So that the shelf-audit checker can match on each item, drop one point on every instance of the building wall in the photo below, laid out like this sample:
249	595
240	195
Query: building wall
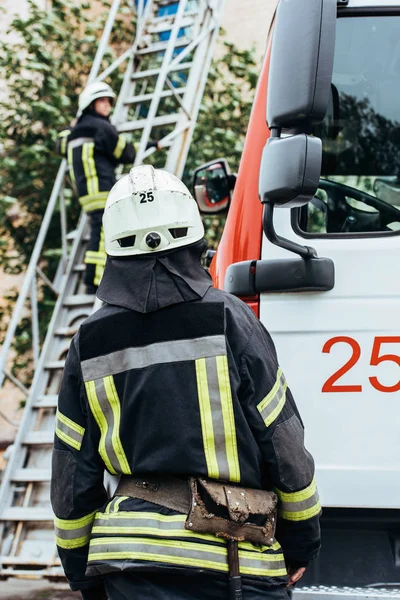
246	23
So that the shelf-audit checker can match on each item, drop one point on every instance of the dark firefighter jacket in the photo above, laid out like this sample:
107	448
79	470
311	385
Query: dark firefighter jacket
93	149
173	376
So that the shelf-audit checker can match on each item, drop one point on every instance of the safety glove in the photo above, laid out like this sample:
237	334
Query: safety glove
153	144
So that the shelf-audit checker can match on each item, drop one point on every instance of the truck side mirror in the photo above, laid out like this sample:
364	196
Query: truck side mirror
299	90
301	65
212	186
290	170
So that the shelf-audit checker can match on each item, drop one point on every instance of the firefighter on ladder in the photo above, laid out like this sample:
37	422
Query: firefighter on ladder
175	387
93	149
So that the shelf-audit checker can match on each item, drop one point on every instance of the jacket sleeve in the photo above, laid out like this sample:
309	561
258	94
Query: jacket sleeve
289	468
77	490
62	141
114	145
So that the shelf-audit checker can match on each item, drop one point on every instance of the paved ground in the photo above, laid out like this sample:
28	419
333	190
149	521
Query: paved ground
35	590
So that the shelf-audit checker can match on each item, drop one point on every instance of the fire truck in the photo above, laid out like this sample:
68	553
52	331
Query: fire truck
312	244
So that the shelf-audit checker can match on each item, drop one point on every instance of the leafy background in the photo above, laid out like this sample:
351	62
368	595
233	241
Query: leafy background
44	71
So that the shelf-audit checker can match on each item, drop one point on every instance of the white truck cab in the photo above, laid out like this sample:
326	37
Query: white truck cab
318	259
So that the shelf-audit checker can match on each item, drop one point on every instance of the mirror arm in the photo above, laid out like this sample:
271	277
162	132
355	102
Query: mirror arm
305	252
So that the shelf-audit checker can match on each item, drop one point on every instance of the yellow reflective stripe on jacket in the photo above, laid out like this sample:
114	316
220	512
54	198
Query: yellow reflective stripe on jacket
228	417
68	431
271	406
113	399
93	202
106	409
89	168
70	161
184	553
63	138
217	418
157	525
95	258
119	148
73	533
299	506
100	265
101	422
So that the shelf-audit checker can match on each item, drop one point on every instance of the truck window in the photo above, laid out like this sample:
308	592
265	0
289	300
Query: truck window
360	182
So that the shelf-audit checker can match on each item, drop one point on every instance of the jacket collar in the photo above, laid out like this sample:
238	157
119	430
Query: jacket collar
149	283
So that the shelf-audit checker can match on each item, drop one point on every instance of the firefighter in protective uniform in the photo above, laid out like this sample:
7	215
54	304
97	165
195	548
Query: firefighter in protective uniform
93	149
174	381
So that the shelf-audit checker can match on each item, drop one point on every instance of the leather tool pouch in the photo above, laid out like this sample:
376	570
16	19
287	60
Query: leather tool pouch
232	512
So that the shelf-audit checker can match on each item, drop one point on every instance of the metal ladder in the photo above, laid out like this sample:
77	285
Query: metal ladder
166	71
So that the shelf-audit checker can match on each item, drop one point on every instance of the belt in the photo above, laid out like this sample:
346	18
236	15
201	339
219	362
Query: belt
164	490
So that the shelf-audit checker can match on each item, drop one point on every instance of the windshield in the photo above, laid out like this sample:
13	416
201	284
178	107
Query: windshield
361	132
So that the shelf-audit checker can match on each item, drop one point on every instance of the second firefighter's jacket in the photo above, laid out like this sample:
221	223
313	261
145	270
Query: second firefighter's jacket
192	389
93	149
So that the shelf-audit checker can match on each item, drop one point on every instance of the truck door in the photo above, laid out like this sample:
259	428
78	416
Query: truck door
340	350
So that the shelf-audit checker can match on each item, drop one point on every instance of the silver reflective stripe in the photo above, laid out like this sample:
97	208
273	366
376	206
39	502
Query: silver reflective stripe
79	142
199	555
108	413
72	534
69	432
132	522
299	506
159	551
145	356
217	419
296	507
271	406
269	566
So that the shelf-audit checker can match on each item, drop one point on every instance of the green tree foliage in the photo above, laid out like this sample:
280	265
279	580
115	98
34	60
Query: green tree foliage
46	70
223	118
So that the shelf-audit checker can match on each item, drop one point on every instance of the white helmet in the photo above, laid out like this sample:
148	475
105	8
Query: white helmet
148	211
94	91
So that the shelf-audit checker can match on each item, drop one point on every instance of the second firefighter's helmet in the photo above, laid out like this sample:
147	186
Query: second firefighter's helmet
93	92
148	211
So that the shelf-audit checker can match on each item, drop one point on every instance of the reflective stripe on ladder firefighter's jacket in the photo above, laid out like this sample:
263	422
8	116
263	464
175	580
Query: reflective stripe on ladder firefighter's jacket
192	389
93	148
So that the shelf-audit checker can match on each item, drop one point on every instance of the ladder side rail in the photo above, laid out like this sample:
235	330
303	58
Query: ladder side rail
56	192
103	41
31	270
37	379
120	109
179	149
167	58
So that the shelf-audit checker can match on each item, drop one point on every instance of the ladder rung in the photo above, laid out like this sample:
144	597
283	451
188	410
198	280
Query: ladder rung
39	438
157	122
161	24
79	268
149	97
80	300
29	561
72	235
162	46
66	331
31	475
20	513
46	401
153	72
54	365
